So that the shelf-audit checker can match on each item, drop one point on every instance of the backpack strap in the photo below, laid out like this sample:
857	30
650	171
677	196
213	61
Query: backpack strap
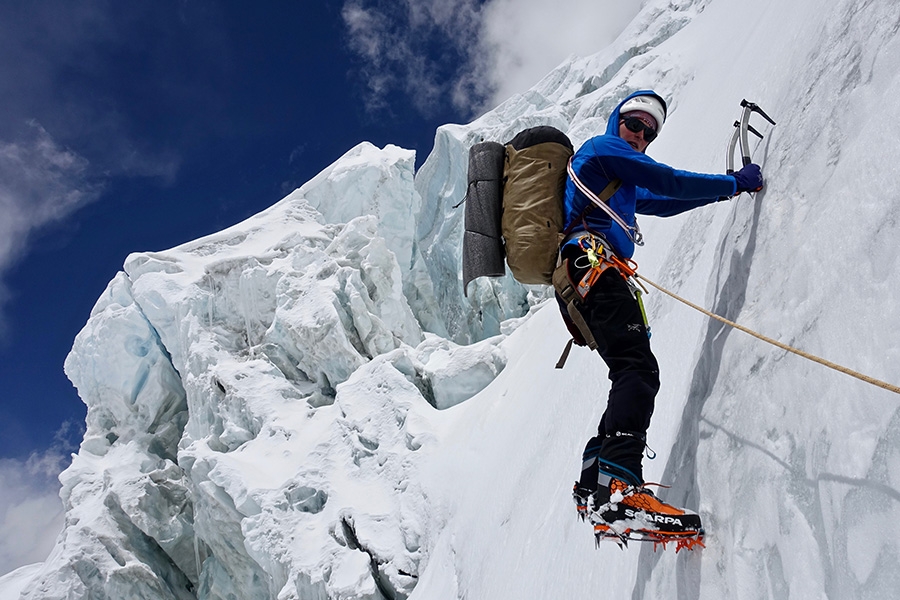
568	290
560	279
570	300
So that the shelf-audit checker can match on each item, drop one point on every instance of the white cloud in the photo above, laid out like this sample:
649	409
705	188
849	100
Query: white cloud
42	44
40	182
31	513
523	40
476	54
409	46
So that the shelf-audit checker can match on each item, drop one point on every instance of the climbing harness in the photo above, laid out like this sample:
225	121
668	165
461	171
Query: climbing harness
565	288
597	258
740	133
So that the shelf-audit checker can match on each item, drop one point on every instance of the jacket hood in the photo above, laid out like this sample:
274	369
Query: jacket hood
612	126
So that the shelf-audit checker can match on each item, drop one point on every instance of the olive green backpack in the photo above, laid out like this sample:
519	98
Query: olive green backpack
532	221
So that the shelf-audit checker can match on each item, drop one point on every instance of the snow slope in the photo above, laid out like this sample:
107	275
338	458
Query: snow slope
305	406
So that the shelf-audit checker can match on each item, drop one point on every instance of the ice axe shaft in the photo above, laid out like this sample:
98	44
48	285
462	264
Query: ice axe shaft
733	143
740	133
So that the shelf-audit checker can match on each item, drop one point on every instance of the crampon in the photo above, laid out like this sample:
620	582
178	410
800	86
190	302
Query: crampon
683	540
634	513
582	497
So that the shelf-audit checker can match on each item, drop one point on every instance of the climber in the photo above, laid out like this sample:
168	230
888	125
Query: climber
611	465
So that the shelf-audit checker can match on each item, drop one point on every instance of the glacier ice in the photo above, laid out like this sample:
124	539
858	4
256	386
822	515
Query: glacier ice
285	340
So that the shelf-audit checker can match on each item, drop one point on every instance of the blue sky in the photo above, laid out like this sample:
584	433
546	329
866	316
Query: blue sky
138	126
141	128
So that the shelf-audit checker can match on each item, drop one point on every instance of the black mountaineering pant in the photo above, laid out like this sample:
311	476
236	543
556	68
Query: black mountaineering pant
614	317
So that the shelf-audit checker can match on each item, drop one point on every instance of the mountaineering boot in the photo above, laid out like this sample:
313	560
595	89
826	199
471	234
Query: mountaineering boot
619	507
584	488
624	509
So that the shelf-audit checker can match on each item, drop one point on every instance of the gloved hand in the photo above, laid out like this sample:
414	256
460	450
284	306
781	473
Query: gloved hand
749	179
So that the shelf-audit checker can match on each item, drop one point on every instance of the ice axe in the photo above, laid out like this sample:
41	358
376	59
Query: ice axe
740	132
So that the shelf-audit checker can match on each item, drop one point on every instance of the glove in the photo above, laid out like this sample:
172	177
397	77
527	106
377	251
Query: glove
749	179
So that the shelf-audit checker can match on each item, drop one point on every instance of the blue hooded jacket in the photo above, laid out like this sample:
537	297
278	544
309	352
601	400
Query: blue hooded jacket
648	187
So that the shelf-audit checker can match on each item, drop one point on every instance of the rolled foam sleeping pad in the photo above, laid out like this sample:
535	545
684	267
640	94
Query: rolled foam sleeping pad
483	254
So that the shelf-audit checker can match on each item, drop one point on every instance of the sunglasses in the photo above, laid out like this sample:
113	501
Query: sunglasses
635	125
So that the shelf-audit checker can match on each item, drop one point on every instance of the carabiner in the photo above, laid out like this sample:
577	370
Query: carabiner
592	250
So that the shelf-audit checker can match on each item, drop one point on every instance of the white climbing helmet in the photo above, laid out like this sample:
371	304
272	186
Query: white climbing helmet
648	104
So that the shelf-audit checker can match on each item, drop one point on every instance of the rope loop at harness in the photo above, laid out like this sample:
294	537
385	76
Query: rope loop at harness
599	258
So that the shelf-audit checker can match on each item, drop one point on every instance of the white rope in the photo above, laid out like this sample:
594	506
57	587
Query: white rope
633	232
